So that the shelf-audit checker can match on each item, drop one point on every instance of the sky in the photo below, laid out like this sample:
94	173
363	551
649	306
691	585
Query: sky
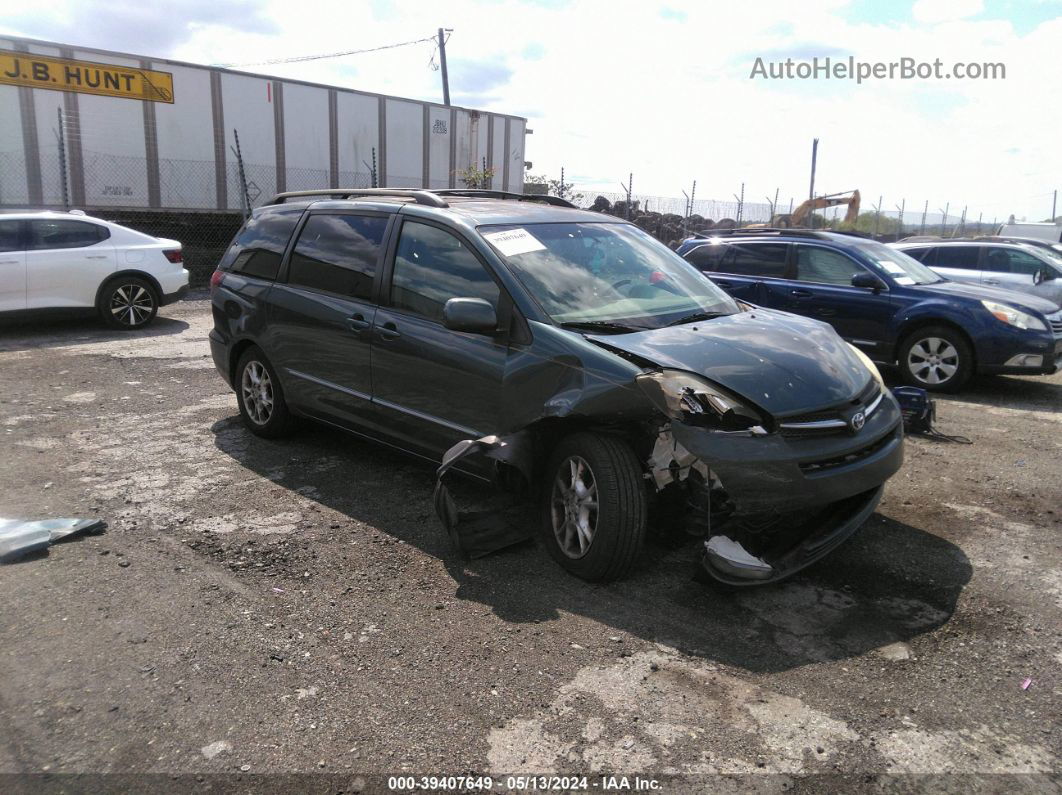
664	90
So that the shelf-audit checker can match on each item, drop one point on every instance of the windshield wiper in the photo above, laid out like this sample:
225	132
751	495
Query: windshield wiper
695	317
603	325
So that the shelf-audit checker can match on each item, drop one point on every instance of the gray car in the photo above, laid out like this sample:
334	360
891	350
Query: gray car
1012	265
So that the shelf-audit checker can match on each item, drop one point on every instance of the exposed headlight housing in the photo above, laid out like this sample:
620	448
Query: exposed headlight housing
696	401
1014	317
869	365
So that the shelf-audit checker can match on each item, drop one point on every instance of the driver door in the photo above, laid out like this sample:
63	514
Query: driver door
433	387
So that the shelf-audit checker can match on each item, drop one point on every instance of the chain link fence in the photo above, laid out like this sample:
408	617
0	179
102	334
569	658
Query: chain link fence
187	194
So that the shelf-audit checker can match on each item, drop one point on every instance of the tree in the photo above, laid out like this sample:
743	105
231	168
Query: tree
555	187
476	178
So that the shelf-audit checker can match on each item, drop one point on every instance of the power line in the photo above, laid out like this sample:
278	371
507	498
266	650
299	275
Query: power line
301	58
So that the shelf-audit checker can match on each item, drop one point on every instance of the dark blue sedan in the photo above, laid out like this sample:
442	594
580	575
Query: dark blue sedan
884	302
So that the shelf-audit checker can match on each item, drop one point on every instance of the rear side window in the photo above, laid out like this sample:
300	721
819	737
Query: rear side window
964	258
9	236
338	254
826	267
431	267
258	248
755	259
60	233
706	257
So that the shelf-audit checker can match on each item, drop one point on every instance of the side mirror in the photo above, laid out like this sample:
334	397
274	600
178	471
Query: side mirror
470	314
1045	275
868	280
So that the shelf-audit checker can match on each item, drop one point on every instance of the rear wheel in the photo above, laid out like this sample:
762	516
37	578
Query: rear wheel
594	506
128	302
936	358
260	396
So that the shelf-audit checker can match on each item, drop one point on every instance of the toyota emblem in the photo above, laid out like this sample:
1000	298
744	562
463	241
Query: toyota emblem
859	419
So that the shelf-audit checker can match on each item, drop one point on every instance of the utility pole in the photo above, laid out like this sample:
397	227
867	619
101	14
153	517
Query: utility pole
944	223
877	215
925	210
814	158
442	67
903	204
1054	204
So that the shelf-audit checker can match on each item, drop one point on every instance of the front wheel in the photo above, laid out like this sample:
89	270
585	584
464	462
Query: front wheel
936	358
594	506
128	303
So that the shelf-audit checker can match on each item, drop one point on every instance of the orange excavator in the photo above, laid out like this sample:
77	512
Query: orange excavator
800	215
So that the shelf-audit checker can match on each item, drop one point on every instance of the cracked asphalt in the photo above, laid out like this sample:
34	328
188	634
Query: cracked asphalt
261	607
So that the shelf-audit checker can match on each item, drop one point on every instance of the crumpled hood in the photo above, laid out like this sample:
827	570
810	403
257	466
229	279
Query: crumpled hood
1023	301
783	363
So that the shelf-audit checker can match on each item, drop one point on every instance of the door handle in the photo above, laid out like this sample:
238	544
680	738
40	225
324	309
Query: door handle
389	331
800	293
358	323
991	281
8	262
723	282
95	256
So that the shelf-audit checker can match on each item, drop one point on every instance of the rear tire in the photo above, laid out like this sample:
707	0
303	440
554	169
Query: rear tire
594	506
261	397
936	358
128	303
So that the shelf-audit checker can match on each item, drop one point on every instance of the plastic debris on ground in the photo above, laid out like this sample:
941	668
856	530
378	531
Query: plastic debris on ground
19	537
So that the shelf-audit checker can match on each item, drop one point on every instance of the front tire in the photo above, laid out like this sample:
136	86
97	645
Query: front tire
260	396
128	303
594	506
936	358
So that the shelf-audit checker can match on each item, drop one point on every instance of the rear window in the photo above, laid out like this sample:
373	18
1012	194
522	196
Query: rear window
959	257
338	254
60	233
9	235
755	259
259	246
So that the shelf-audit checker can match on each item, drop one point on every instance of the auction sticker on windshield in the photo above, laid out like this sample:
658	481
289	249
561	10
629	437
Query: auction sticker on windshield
514	241
896	271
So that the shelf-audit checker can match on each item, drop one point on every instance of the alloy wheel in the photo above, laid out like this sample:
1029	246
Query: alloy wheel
933	361
257	390
573	507
131	304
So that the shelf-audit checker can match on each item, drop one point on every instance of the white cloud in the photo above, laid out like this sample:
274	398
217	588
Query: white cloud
933	11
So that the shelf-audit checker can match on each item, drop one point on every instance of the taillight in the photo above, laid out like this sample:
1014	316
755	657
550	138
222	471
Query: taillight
174	255
215	279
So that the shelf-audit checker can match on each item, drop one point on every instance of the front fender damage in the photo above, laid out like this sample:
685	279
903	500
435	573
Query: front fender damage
757	521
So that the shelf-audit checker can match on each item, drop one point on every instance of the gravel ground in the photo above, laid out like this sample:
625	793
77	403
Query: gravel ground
264	607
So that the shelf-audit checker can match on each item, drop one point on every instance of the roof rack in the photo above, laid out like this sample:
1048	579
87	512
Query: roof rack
757	232
419	196
475	193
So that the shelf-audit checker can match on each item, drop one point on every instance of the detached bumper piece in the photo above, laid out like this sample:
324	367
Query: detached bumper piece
732	563
475	534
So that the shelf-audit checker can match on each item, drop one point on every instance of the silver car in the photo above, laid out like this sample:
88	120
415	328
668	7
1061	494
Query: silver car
1011	265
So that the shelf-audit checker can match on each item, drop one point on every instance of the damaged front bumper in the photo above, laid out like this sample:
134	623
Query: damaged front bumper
776	504
827	531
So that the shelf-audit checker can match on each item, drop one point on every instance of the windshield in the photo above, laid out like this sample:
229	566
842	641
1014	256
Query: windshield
609	275
902	268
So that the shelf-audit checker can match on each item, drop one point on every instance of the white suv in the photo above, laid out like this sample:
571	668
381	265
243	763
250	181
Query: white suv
57	260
